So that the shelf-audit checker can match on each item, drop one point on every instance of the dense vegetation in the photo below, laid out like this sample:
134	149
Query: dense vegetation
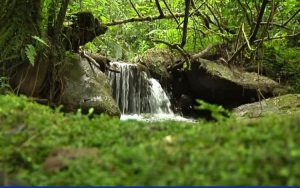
232	152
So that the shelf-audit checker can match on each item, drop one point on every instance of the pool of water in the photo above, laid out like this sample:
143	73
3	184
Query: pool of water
155	117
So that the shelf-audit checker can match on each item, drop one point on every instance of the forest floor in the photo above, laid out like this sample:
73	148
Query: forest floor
42	146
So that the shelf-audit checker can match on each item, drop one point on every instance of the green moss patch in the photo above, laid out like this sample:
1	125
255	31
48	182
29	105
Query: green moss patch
286	104
232	152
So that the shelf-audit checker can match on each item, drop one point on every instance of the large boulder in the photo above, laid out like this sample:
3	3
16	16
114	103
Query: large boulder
286	104
229	86
86	87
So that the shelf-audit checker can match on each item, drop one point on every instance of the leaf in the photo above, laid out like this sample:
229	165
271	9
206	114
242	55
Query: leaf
30	53
91	111
154	32
40	40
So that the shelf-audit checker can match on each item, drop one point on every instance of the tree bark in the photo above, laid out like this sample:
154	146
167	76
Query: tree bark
21	23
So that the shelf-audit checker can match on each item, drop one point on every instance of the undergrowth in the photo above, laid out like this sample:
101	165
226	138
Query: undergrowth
230	152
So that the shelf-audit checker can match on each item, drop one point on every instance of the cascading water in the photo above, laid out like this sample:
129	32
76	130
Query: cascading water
139	96
135	92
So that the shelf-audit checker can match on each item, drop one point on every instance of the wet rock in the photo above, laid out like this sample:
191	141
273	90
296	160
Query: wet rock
185	103
59	158
286	104
87	87
157	61
230	87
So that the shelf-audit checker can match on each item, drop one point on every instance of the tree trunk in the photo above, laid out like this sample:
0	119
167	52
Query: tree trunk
20	21
23	24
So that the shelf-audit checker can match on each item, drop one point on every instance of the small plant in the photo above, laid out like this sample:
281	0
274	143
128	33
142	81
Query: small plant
218	112
4	85
30	53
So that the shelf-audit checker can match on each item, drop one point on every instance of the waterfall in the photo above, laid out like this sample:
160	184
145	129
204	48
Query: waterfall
135	92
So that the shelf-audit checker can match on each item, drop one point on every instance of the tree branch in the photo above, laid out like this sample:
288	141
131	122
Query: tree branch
259	19
60	17
275	24
215	17
184	54
185	23
134	8
245	12
254	33
161	13
293	16
170	11
278	37
145	19
203	52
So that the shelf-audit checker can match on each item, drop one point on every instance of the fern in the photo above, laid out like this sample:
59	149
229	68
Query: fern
30	53
40	40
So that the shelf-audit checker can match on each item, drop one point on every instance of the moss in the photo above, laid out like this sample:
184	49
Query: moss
246	79
286	104
232	152
20	28
86	87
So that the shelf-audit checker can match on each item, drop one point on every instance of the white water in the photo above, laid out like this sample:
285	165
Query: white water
155	117
138	96
159	101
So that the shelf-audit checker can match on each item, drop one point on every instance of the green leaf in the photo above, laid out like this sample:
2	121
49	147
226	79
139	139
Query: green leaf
30	53
40	40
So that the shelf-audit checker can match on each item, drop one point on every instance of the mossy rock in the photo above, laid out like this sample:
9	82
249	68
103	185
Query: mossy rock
248	80
228	85
157	60
86	87
286	104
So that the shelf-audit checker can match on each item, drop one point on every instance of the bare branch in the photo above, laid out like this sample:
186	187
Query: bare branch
145	19
293	16
215	17
161	13
259	19
185	23
278	37
134	8
275	24
170	11
204	52
245	12
254	33
270	19
184	54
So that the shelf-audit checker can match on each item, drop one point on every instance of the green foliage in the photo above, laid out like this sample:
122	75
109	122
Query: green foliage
218	112
30	53
4	85
282	62
128	40
41	41
261	152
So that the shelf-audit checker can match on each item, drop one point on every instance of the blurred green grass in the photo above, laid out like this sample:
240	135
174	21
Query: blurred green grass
229	152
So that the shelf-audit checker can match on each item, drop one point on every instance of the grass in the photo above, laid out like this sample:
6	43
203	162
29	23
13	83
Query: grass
231	152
